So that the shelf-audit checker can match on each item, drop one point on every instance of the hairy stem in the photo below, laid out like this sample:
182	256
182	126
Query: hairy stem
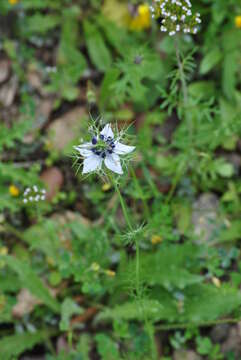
184	91
198	324
123	205
182	73
148	324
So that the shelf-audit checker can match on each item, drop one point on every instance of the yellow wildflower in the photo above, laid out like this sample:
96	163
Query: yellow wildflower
13	190
142	19
156	239
238	21
216	281
95	267
3	250
13	2
106	187
110	273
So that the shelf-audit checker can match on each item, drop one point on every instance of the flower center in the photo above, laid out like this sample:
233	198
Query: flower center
102	146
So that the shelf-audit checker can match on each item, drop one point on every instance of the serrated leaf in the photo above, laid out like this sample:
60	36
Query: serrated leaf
131	311
32	282
15	345
169	267
207	302
40	24
198	304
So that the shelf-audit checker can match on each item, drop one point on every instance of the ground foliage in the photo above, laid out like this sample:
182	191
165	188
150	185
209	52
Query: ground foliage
76	281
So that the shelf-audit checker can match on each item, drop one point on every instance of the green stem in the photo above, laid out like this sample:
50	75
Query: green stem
137	268
184	90
139	189
148	324
123	205
182	74
128	222
151	333
198	324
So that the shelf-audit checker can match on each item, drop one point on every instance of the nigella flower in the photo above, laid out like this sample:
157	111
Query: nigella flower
104	147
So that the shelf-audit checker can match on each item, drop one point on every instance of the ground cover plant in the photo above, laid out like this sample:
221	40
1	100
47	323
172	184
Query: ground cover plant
120	187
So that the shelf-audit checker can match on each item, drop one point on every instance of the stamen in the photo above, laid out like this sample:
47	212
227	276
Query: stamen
94	140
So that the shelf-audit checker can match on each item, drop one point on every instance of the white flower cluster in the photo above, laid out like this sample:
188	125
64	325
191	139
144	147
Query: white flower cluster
34	194
176	16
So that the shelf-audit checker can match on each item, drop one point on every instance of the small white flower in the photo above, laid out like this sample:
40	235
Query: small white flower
103	147
33	194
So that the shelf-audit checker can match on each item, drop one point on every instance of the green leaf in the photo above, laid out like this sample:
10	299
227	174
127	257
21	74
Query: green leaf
226	170
131	311
232	233
97	49
40	24
117	36
16	132
182	213
106	89
198	303
210	60
207	302
32	282
202	89
107	349
15	345
230	69
68	308
155	268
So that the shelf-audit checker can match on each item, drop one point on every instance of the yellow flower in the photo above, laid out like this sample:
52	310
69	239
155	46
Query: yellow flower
142	20
106	187
13	2
216	281
3	250
238	21
110	273
156	239
95	267
13	190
